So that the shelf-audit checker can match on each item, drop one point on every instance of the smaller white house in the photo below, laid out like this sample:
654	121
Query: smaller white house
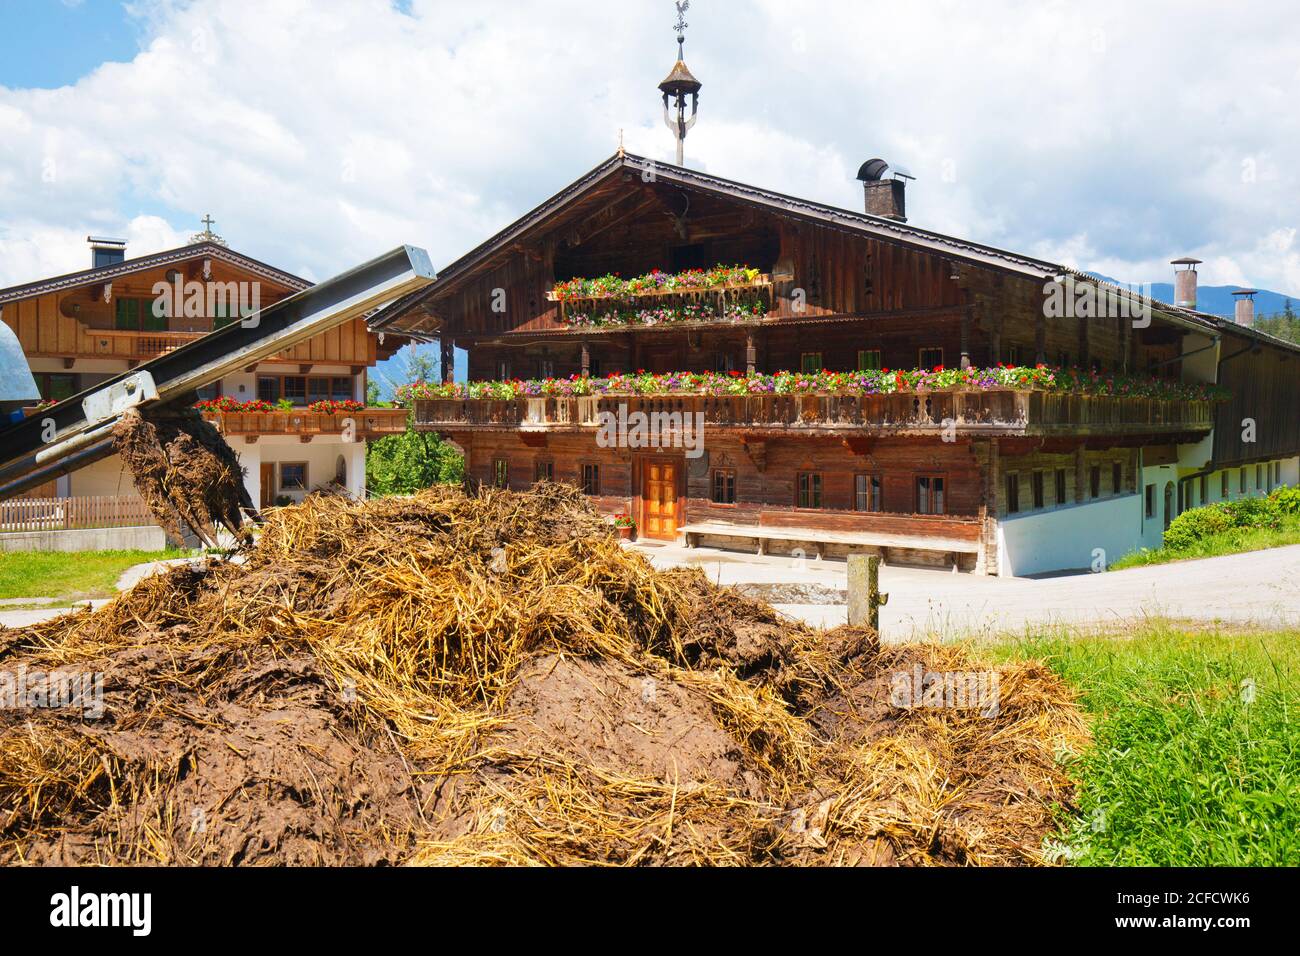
1090	535
83	328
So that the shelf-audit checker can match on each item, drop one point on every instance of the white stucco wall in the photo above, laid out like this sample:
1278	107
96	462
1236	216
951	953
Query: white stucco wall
1065	539
104	477
1153	528
1291	471
320	455
107	477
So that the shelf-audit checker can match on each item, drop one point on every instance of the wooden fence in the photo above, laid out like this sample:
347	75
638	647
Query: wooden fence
73	514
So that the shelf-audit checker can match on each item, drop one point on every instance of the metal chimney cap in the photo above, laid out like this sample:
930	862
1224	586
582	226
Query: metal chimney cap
1185	261
872	170
102	241
1246	292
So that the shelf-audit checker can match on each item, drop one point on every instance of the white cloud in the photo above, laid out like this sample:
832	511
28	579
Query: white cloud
1110	134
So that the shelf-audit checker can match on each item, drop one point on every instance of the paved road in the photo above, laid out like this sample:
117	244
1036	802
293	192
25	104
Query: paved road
1260	587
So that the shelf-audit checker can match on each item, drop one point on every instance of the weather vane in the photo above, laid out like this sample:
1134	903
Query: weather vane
682	7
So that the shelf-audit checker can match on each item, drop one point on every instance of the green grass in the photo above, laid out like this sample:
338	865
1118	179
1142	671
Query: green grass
1184	769
73	575
1229	542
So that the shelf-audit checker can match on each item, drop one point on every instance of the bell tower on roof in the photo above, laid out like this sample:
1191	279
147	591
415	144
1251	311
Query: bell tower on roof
679	85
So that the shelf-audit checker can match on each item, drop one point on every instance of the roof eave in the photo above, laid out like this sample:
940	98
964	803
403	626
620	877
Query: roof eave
989	257
76	280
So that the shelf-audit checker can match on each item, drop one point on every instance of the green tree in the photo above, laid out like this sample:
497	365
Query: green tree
406	463
1284	324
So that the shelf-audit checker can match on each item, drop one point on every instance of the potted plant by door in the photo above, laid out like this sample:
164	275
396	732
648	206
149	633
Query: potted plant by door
625	525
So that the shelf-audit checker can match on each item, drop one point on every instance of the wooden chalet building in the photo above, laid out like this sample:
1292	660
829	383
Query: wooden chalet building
80	329
1010	480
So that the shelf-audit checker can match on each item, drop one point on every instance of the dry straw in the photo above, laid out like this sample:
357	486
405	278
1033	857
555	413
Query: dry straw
493	679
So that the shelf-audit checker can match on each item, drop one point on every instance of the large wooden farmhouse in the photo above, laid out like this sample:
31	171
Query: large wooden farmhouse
976	467
80	329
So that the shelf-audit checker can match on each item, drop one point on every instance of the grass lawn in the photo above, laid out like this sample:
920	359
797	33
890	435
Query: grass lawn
73	575
1229	542
1196	753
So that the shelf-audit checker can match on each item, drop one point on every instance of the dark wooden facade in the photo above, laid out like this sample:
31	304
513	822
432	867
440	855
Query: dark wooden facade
841	285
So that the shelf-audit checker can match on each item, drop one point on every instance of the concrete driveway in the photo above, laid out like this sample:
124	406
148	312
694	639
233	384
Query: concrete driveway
1261	587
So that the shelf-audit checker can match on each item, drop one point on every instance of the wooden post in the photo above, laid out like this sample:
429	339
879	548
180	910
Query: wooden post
751	354
447	358
1080	474
586	360
965	338
865	599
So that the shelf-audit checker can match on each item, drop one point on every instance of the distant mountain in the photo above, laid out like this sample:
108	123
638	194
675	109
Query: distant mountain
1217	299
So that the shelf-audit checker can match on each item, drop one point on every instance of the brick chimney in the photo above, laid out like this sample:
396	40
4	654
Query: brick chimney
1245	306
884	197
1185	282
105	252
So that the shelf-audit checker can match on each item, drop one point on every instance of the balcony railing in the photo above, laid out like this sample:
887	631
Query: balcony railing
367	423
140	346
130	345
985	412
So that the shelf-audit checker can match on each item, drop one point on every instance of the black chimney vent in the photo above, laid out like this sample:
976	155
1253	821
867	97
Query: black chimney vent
106	252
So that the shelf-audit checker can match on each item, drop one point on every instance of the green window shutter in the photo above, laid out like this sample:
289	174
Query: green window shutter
151	322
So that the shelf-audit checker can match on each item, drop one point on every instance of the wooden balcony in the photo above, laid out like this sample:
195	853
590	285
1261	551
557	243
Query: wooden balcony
133	346
369	423
143	346
994	412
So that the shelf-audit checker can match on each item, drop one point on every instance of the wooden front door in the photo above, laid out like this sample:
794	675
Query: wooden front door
268	484
659	498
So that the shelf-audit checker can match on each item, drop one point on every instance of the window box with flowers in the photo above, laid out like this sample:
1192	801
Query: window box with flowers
824	382
722	294
331	406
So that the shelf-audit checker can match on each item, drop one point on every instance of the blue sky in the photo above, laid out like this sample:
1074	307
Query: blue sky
1105	134
52	43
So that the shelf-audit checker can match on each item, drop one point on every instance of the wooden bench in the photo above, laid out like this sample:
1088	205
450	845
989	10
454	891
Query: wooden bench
952	547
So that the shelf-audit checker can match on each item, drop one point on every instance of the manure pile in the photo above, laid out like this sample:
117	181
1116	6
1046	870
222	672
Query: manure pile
492	679
186	474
